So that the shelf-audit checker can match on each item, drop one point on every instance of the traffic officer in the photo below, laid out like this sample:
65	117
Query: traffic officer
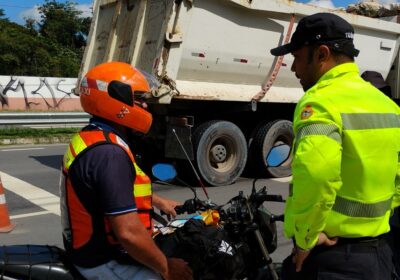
346	172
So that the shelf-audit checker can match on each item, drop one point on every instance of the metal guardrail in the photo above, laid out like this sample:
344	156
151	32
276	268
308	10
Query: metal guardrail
44	119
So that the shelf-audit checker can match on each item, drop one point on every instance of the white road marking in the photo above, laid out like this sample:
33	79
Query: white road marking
2	199
30	147
22	149
29	215
282	180
42	198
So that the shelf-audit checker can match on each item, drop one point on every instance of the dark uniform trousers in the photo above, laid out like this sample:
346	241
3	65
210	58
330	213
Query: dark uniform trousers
350	258
393	238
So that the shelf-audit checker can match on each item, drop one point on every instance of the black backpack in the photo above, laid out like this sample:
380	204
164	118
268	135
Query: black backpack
207	249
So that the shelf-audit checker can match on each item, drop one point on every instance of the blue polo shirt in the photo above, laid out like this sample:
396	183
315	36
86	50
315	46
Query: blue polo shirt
106	170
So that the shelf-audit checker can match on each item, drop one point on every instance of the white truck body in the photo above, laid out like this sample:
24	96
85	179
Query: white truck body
219	50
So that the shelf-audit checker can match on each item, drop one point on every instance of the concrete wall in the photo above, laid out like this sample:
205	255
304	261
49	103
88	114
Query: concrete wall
38	94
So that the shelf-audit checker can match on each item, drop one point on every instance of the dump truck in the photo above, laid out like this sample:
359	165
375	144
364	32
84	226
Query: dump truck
225	103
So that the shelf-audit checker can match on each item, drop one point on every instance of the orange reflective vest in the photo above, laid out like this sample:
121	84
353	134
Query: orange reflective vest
78	227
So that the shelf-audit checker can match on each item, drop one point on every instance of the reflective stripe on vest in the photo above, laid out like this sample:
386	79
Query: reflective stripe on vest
358	209
355	121
328	130
143	197
142	190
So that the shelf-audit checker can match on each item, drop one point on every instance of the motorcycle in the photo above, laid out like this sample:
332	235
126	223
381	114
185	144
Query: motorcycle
243	230
248	233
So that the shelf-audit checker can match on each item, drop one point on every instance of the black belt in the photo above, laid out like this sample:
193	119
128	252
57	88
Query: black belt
356	245
360	240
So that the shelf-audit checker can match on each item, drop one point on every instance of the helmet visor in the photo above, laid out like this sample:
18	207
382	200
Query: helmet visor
153	83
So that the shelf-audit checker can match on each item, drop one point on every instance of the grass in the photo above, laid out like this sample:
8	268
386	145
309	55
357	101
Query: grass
14	133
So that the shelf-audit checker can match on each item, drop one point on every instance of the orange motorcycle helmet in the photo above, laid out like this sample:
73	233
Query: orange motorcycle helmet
110	91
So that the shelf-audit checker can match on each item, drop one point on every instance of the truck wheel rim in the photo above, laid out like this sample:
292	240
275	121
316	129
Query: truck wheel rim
218	153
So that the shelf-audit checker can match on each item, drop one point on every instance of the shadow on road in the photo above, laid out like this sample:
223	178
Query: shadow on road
50	161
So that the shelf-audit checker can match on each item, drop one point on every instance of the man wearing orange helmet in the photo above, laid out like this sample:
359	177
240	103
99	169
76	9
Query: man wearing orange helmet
106	199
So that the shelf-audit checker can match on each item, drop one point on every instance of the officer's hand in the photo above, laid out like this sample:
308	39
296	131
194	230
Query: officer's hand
325	240
300	255
178	269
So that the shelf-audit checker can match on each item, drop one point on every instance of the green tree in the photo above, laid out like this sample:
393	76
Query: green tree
26	54
30	24
52	47
62	22
3	15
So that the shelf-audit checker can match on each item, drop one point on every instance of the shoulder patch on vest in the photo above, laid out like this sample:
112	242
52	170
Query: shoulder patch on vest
307	112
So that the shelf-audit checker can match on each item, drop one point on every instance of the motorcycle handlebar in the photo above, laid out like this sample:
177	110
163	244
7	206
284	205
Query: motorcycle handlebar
180	209
274	197
277	218
190	206
259	198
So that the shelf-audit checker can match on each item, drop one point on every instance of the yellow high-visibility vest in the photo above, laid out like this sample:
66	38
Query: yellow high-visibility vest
346	173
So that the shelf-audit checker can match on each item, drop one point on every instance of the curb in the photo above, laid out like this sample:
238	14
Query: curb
36	140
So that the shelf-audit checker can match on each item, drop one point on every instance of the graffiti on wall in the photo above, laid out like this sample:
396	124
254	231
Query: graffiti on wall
37	93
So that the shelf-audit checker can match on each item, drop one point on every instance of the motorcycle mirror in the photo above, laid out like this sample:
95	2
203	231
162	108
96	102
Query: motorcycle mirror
278	155
164	172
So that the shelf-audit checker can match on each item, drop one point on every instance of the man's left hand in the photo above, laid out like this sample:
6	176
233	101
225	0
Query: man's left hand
166	205
300	255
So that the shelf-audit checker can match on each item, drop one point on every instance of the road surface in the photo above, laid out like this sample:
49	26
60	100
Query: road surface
30	175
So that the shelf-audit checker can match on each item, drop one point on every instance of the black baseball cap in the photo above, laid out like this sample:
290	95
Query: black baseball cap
321	29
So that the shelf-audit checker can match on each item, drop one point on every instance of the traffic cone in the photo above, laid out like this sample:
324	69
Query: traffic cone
5	223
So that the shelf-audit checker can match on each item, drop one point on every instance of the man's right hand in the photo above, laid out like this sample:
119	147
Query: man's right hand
323	239
178	269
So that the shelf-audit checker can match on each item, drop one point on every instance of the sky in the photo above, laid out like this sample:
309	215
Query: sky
17	10
342	3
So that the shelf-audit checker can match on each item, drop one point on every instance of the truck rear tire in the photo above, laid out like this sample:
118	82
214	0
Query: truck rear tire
220	152
267	136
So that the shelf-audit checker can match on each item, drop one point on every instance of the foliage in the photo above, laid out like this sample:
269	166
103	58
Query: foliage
54	49
61	22
30	25
10	133
26	54
2	14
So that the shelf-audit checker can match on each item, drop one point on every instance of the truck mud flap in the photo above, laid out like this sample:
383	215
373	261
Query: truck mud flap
183	130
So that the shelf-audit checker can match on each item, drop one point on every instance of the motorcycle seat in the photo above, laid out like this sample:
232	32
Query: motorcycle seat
35	262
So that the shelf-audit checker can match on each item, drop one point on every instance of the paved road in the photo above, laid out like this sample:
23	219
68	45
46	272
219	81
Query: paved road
30	175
